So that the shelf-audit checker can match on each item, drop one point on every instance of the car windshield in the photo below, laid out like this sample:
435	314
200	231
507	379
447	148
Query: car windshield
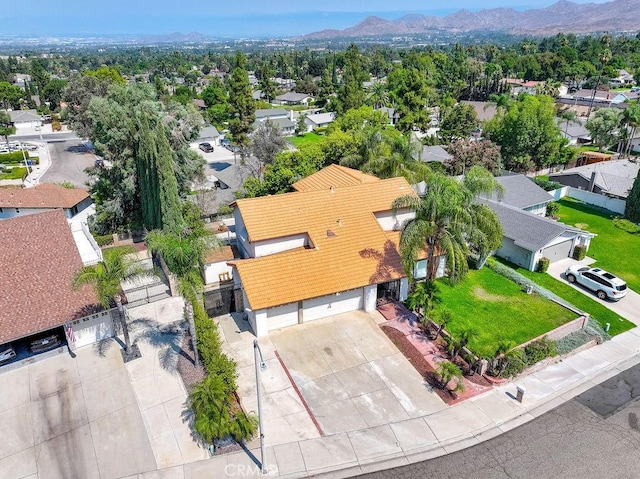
622	287
585	268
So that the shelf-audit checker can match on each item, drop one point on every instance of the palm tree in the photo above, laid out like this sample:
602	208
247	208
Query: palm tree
441	319
184	256
501	101
402	161
446	372
116	266
630	119
422	297
450	222
379	95
568	116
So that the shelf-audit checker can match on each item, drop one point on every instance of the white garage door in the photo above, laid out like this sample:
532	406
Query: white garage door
281	316
324	306
92	329
558	251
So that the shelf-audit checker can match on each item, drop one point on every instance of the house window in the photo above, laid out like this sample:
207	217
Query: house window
420	270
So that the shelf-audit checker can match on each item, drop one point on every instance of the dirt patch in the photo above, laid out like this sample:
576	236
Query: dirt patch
186	365
481	293
582	226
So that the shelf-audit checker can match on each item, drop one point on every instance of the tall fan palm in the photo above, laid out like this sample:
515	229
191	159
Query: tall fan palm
403	161
116	266
448	220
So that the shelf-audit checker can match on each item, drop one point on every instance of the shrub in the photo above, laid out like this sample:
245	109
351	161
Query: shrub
543	264
15	173
553	208
538	350
579	252
104	240
626	225
546	184
224	211
13	158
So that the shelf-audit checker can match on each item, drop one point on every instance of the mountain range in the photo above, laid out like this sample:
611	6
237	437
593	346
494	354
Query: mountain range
563	16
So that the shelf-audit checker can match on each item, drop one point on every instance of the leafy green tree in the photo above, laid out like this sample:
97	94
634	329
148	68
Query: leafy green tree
78	94
632	207
449	221
603	127
301	124
351	94
10	95
53	91
242	105
411	94
325	88
6	128
459	122
528	134
106	74
117	265
266	84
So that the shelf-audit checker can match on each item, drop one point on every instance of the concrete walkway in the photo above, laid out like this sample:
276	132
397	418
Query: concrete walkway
420	438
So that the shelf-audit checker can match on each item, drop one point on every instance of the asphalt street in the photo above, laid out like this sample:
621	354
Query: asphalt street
68	162
595	435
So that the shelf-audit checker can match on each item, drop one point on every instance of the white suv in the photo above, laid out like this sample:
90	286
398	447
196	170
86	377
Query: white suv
606	285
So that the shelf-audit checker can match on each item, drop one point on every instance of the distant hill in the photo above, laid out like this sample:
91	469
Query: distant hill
564	16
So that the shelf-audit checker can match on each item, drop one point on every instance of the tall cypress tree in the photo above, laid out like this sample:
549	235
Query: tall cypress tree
170	205
146	153
242	104
632	208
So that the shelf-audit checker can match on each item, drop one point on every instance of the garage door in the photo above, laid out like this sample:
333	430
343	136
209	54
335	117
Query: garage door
92	329
282	316
558	251
333	304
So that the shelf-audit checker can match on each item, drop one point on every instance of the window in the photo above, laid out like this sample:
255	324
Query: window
420	270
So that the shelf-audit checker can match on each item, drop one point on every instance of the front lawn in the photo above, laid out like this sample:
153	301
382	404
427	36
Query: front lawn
498	310
14	173
306	139
599	313
614	249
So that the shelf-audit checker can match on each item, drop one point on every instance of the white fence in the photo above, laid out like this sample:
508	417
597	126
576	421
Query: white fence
611	204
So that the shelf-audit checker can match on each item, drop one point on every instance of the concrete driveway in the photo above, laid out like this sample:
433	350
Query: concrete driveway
628	307
349	373
72	418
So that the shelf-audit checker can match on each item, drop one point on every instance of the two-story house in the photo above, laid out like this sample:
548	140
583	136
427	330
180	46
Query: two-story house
328	248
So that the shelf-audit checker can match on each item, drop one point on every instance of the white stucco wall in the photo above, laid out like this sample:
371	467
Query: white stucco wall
6	213
247	249
539	209
389	222
517	255
212	271
370	297
278	245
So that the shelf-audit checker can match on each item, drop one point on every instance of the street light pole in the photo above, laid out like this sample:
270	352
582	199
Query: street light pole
260	366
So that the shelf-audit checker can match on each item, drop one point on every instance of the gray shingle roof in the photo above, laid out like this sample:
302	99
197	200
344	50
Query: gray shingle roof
529	231
435	153
614	177
283	123
521	192
270	113
209	131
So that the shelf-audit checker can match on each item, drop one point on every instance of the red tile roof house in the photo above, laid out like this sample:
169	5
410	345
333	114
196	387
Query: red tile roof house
43	197
39	257
328	248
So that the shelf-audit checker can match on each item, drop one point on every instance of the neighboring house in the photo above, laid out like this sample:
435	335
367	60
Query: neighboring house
521	192
319	120
598	96
257	95
623	78
210	134
392	114
39	258
43	197
20	79
328	248
626	96
279	116
25	118
574	131
435	154
609	178
293	98
528	237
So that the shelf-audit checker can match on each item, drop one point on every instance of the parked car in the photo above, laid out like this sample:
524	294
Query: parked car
206	147
7	353
603	283
99	163
45	343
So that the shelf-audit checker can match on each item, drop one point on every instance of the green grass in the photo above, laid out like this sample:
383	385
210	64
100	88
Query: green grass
614	249
599	313
581	149
498	310
306	139
13	174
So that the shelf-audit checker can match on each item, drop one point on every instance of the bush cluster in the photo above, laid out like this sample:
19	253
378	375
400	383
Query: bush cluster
547	185
543	265
579	252
13	158
531	354
626	225
103	240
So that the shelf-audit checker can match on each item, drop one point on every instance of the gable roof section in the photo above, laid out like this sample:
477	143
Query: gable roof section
44	195
529	231
292	96
349	248
270	113
521	192
18	116
614	177
35	285
321	118
335	176
435	153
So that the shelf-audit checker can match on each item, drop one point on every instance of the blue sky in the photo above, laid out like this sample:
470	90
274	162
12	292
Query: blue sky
226	18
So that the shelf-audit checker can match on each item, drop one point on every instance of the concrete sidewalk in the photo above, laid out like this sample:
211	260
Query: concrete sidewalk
417	439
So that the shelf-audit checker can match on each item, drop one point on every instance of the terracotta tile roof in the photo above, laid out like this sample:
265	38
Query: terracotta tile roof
217	255
349	248
45	195
333	176
39	258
